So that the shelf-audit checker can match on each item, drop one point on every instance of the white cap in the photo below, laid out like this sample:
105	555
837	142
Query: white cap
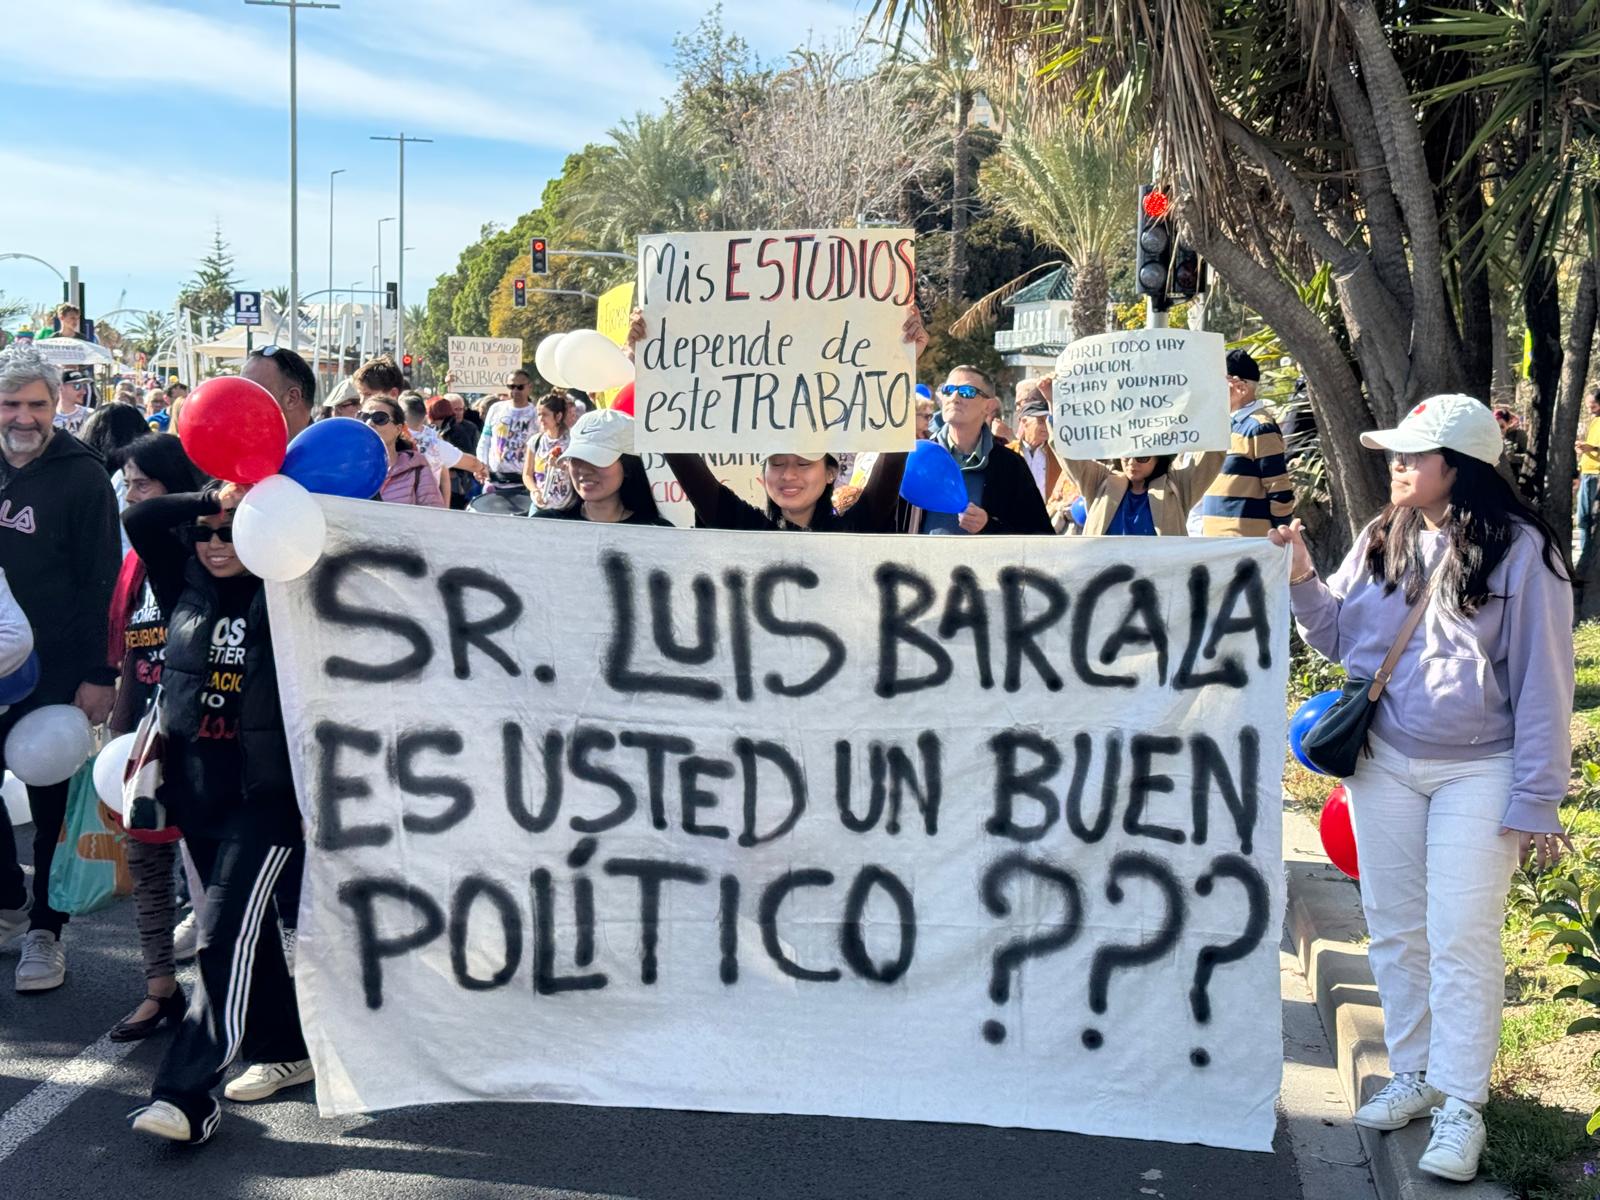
1449	422
603	436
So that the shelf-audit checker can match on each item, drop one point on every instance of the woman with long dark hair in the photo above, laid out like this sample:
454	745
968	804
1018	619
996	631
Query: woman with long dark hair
607	477
1468	754
152	465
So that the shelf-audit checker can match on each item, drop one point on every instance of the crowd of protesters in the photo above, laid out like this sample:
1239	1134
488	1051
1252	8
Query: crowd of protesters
125	614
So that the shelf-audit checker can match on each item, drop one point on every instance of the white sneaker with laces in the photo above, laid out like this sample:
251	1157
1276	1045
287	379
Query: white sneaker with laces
1403	1099
163	1119
43	964
260	1080
1458	1139
186	939
13	921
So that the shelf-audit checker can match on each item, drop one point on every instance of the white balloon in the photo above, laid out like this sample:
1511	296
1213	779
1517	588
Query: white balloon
15	793
544	357
279	530
49	744
588	359
109	766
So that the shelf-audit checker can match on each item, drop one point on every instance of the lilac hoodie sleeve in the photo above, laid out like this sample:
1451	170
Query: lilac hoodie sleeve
1539	669
1317	602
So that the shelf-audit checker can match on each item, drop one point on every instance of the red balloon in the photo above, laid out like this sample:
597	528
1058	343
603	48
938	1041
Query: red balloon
1338	835
233	429
624	401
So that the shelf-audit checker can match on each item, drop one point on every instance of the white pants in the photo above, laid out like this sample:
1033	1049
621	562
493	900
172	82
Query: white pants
1435	870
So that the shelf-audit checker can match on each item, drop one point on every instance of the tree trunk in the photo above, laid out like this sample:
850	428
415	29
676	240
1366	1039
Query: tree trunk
960	200
1503	381
1477	325
1541	304
1556	504
1090	287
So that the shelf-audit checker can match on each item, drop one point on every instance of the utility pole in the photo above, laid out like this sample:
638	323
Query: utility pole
294	164
400	299
380	303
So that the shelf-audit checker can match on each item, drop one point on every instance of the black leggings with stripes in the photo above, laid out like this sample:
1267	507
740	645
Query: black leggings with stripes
245	1003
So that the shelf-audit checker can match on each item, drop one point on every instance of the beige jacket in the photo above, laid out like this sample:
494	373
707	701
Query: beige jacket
1171	496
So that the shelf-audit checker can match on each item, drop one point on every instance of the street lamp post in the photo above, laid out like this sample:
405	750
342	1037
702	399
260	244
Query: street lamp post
400	278
383	301
294	164
331	174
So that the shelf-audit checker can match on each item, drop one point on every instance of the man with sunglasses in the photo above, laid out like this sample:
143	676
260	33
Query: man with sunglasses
1001	494
60	548
1252	494
507	428
72	409
290	380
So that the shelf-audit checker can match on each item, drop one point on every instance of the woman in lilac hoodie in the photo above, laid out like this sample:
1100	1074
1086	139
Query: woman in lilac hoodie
1469	751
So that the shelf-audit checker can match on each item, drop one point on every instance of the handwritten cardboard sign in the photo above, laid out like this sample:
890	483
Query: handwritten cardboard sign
776	341
1141	391
911	828
481	364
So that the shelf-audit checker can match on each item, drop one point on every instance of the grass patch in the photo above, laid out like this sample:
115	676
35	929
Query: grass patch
1536	1150
1539	1025
1586	699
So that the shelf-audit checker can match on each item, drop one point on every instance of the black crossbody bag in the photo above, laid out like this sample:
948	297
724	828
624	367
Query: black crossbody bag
1336	742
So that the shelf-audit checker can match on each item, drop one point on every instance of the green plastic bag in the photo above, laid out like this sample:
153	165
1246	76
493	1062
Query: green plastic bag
90	868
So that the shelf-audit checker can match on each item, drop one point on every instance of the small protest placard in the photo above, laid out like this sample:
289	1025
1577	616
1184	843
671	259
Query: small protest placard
739	473
1141	391
480	364
785	341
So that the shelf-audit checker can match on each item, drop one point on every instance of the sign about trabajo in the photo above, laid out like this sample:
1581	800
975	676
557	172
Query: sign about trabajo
896	827
783	341
1141	391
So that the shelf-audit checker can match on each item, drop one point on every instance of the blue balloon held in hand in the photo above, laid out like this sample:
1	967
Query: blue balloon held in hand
933	480
19	685
1080	513
1304	718
339	456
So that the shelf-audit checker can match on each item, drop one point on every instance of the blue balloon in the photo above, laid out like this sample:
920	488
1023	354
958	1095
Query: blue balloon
924	391
932	480
1304	718
338	456
1080	513
19	685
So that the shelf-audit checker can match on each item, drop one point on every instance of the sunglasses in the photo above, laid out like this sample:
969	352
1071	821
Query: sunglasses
1140	458
1408	462
964	390
517	387
376	419
198	534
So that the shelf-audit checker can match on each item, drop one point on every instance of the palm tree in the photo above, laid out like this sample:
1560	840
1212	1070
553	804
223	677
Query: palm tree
651	177
146	332
1070	188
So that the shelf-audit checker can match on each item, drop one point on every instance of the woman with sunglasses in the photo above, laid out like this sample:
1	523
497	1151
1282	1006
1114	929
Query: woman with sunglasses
1145	496
548	485
153	465
226	783
1468	754
410	480
607	477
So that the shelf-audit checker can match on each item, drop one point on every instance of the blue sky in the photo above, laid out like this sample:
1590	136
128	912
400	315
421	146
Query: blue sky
133	126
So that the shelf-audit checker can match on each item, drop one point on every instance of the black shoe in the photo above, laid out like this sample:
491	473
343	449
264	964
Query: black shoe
170	1009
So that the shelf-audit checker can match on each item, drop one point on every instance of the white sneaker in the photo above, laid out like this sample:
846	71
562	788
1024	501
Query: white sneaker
1457	1141
186	939
163	1119
43	964
13	921
260	1080
1402	1100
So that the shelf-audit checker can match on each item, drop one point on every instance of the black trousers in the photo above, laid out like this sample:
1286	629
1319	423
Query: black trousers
245	1003
48	806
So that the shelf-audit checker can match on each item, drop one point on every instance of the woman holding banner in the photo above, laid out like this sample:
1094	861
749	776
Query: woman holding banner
1146	496
226	783
606	476
1462	593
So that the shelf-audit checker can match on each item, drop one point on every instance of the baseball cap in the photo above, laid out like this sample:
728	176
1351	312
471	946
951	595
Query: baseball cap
1241	365
601	437
76	375
1038	406
1449	422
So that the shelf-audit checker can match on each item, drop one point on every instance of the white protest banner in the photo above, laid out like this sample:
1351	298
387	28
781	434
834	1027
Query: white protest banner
481	364
1141	391
740	473
768	342
981	830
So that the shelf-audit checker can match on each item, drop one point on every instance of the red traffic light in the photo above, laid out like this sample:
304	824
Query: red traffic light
538	243
1157	205
405	360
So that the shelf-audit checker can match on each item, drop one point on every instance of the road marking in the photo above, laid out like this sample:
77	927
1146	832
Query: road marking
51	1098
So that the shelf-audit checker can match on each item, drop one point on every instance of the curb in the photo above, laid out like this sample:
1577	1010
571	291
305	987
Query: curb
1327	927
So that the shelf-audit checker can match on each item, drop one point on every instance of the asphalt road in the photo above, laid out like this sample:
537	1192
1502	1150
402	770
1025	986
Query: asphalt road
64	1091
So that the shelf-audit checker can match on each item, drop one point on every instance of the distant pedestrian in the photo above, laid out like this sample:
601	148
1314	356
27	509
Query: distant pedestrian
1589	472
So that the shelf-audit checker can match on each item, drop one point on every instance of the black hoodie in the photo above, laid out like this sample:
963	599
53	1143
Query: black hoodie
61	547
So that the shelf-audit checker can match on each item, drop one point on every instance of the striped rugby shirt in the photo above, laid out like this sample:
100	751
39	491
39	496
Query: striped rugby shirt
1252	493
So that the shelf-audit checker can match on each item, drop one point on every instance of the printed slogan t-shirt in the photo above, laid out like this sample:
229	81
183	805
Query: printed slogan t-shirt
212	763
146	642
505	437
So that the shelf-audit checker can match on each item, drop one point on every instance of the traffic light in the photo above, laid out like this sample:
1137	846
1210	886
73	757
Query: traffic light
519	292
405	366
1188	273
538	253
391	298
1155	246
